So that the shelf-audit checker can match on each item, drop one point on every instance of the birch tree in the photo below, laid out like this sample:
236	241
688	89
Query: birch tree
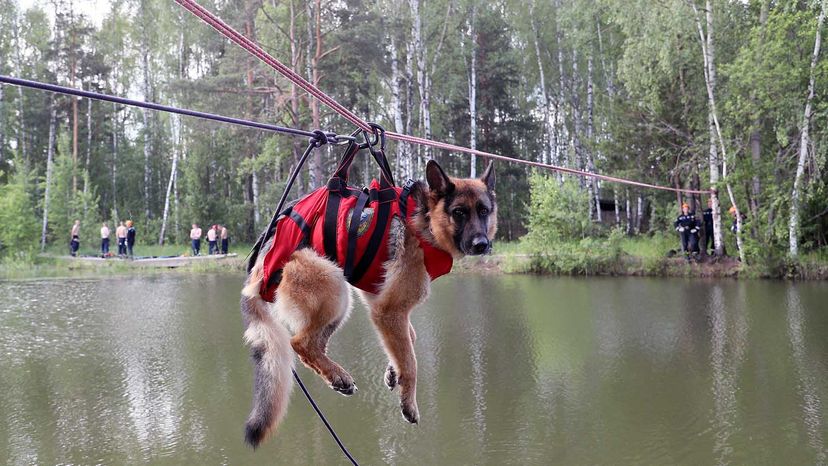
50	155
804	143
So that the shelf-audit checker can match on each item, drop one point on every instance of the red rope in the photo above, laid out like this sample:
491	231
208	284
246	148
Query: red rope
254	49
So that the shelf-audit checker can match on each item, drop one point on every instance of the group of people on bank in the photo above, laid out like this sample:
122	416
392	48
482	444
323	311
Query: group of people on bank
125	233
215	234
689	229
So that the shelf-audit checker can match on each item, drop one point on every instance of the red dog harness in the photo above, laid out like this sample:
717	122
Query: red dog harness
350	227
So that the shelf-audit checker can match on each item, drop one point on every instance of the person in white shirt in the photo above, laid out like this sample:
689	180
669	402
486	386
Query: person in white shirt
104	239
195	236
212	236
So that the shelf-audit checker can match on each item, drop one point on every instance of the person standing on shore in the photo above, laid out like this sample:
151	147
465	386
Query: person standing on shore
212	235
688	229
74	243
104	240
130	238
195	236
121	234
707	216
225	240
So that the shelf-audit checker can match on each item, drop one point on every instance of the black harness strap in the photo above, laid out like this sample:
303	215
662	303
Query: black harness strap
381	224
353	233
329	225
406	191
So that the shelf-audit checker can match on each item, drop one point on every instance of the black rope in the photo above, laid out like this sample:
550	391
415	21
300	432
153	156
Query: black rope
322	416
330	138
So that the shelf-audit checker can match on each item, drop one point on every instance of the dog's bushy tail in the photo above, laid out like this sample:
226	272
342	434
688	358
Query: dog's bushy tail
272	358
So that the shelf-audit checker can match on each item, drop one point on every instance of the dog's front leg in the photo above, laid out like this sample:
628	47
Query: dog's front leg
394	329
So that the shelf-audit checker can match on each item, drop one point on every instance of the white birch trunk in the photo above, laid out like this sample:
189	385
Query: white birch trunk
422	77
804	141
50	154
473	93
88	156
593	182
3	123
716	134
617	208
175	123
115	161
21	134
403	160
145	114
548	143
560	138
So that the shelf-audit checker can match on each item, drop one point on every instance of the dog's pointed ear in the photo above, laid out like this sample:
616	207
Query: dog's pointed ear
437	179
488	177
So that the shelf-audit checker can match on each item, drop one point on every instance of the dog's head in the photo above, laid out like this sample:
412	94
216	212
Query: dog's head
462	213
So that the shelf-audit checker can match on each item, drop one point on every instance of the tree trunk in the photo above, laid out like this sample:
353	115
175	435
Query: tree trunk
617	207
627	211
50	153
253	180
403	168
175	123
294	94
86	165
316	175
115	161
21	135
593	182
716	134
73	68
422	76
145	113
804	142
548	144
473	93
560	147
3	123
410	58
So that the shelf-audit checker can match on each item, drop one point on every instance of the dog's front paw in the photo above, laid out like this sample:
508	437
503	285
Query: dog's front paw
410	412
344	385
390	377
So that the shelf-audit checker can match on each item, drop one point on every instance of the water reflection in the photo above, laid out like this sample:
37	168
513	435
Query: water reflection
812	415
513	370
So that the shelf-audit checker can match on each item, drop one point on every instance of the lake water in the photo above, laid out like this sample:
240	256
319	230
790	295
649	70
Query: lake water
512	370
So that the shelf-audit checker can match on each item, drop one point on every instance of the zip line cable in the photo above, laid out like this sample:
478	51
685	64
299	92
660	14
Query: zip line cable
254	49
332	138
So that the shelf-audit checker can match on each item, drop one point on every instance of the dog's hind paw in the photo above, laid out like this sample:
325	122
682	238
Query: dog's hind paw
390	378
344	385
410	413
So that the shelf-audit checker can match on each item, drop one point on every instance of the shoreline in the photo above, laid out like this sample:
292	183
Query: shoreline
632	266
48	267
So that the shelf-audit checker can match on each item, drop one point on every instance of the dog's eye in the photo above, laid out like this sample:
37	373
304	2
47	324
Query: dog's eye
458	213
483	211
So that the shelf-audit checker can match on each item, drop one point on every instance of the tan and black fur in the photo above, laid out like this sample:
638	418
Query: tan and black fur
313	299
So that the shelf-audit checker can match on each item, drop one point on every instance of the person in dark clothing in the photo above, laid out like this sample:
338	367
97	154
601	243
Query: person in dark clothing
130	239
74	244
707	216
688	229
225	239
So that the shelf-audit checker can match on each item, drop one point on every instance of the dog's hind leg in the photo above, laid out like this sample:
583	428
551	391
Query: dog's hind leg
406	285
314	299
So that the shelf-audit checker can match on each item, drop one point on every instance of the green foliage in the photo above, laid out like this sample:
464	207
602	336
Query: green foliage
18	223
558	211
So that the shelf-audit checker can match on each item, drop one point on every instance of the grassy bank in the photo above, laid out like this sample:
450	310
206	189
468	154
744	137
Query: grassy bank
636	256
55	262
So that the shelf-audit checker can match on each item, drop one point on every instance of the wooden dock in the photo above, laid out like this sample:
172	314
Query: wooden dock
164	261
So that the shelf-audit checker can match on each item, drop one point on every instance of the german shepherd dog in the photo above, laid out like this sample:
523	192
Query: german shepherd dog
313	298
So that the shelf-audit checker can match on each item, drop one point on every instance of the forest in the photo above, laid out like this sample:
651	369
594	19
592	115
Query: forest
714	94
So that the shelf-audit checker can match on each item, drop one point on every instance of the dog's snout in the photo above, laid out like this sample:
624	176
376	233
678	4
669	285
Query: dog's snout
480	245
